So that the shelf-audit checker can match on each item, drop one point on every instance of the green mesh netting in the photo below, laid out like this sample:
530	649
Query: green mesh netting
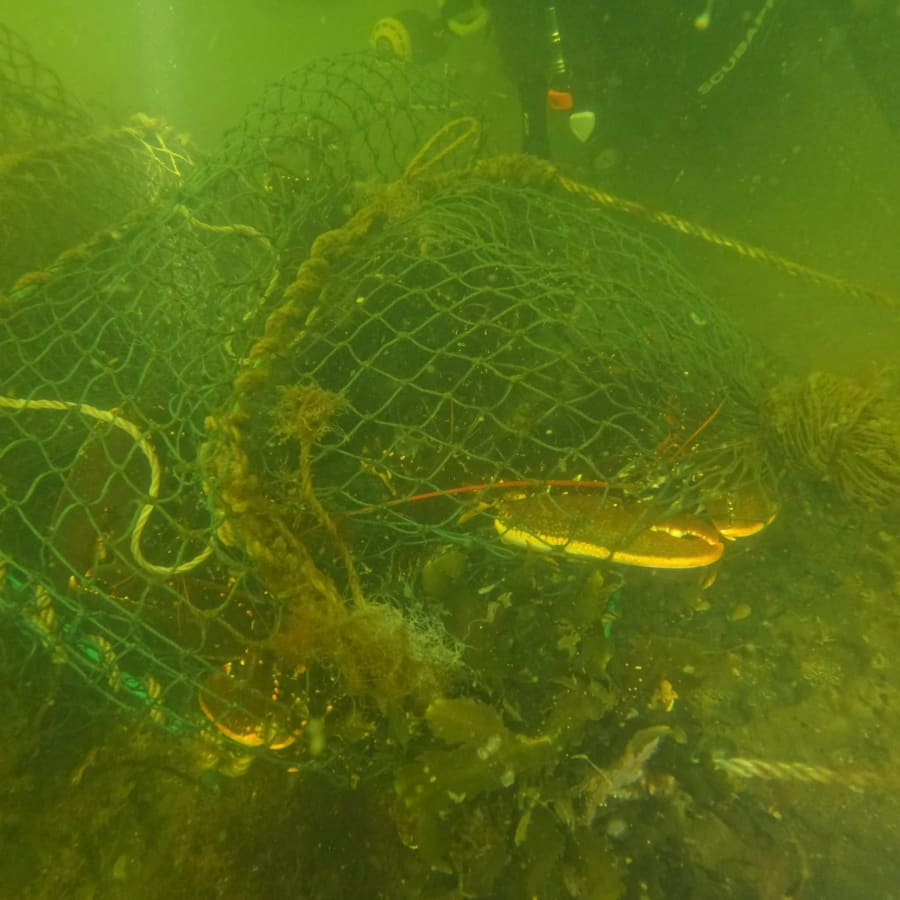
112	357
476	358
494	334
63	176
344	365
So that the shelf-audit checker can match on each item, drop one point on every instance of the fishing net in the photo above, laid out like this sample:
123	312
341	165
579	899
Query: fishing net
485	348
36	107
348	365
63	176
113	356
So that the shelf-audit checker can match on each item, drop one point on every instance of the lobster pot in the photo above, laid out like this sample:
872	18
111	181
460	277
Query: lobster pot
498	365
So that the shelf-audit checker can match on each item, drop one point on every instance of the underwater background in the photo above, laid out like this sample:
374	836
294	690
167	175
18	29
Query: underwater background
618	731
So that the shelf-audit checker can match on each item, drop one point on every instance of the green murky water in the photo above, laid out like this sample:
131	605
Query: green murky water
622	732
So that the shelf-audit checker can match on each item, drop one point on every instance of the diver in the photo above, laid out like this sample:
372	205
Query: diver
569	58
531	43
652	71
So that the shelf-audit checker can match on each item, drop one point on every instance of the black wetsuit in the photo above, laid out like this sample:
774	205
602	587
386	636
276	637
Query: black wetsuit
647	62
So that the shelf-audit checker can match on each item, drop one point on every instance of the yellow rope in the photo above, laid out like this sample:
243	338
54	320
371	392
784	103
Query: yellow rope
143	442
720	240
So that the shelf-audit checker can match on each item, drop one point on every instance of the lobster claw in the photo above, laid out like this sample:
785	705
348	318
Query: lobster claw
244	701
597	526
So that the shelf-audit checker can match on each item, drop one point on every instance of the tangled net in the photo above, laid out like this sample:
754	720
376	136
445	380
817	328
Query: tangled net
249	404
63	176
117	349
480	333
